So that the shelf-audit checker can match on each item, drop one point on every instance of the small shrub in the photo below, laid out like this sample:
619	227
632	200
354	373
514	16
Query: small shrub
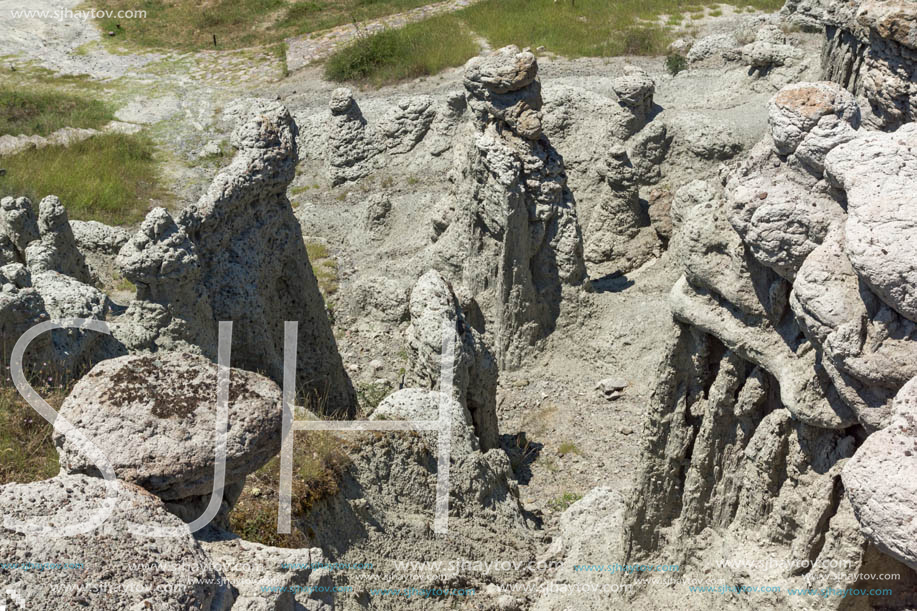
564	501
568	447
319	460
675	63
324	267
371	395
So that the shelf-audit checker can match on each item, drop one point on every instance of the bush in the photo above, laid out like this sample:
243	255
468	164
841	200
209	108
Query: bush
675	63
417	49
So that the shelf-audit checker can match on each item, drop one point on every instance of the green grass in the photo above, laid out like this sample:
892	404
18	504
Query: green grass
417	49
588	28
43	111
26	451
324	267
109	177
187	25
568	447
564	501
319	459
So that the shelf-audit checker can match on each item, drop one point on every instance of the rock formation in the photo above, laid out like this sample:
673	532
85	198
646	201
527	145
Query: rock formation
103	567
154	416
474	371
508	231
237	254
869	49
45	276
773	417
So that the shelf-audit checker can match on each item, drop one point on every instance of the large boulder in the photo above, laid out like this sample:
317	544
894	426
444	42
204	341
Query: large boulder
111	568
878	172
880	484
155	419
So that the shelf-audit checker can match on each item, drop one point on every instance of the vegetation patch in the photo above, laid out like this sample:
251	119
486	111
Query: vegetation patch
319	459
189	25
324	267
564	501
585	28
417	49
27	453
41	112
109	177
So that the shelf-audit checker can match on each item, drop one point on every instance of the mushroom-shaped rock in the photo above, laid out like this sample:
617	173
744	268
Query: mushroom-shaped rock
155	419
880	482
504	86
878	171
102	563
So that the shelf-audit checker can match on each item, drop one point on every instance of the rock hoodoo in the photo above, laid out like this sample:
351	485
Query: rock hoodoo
508	231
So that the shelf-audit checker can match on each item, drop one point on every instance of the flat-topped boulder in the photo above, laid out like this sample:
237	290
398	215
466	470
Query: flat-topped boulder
154	417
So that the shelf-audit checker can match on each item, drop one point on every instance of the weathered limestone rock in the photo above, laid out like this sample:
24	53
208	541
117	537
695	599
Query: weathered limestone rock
99	238
635	91
474	371
107	557
781	213
238	255
870	350
619	237
155	417
879	482
878	173
804	386
48	278
270	577
350	142
869	50
513	238
809	119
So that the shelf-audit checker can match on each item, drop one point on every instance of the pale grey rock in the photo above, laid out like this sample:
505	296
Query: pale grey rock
108	554
762	55
588	530
503	87
708	46
351	143
804	387
635	90
870	351
99	238
267	577
407	123
375	219
879	484
781	213
869	46
433	308
237	255
154	417
619	236
809	119
381	298
420	404
513	224
878	172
